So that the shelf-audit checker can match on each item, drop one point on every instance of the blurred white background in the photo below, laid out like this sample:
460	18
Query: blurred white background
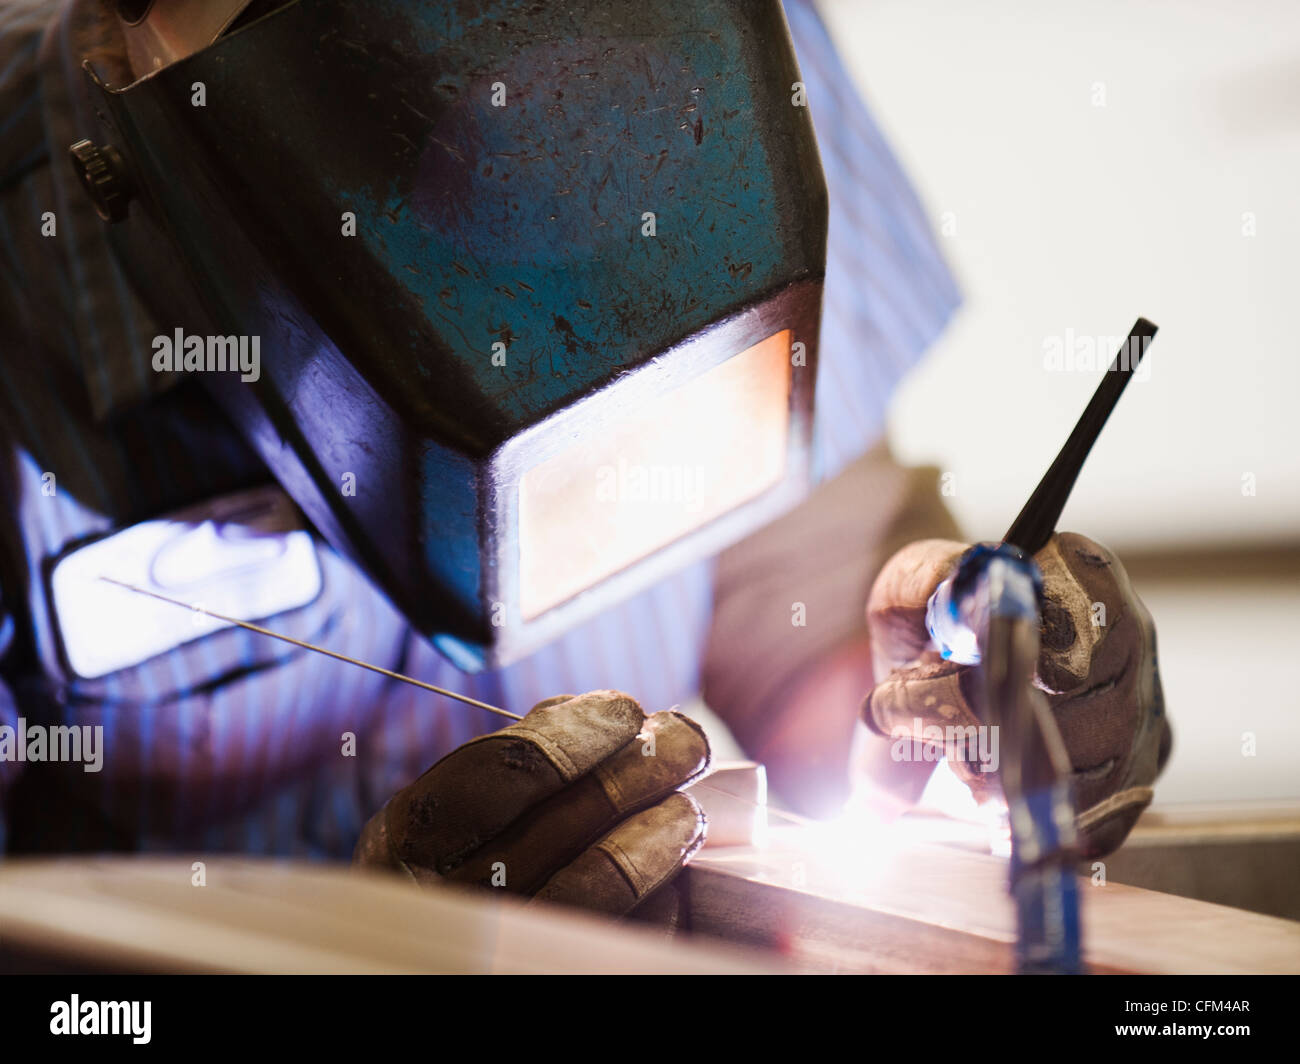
1086	164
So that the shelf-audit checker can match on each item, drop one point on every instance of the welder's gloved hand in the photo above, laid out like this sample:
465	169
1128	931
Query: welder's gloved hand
578	803
1097	663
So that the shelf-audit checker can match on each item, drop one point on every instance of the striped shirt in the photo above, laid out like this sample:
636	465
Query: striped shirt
230	741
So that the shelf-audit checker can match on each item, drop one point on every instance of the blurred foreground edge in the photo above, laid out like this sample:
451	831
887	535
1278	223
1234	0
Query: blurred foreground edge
133	914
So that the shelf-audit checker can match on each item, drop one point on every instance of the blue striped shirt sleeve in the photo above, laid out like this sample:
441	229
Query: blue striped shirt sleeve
888	291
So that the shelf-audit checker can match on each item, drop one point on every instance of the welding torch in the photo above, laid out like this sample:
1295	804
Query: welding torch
988	614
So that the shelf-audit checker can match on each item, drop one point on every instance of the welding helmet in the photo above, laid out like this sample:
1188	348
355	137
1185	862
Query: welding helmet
515	271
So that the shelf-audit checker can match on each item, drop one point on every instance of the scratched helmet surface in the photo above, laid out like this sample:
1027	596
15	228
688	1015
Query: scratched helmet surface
470	238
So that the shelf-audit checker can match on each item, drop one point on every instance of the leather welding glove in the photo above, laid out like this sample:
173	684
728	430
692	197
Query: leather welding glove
1097	664
577	803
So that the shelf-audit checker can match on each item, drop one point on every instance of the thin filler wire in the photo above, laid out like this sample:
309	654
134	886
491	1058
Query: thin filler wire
319	650
792	817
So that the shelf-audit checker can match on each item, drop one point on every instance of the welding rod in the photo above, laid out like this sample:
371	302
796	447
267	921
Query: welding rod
779	813
1036	522
312	646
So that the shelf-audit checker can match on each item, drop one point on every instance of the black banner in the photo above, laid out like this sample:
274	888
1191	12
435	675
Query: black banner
438	1014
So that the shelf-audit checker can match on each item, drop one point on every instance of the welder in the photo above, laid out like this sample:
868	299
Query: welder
501	270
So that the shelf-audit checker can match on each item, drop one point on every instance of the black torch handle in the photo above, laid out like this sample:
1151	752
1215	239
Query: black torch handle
1034	526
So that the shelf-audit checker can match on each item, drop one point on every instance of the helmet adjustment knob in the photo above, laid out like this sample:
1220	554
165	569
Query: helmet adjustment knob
103	175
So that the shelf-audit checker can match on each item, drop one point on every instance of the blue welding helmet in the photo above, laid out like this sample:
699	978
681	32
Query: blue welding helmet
536	287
